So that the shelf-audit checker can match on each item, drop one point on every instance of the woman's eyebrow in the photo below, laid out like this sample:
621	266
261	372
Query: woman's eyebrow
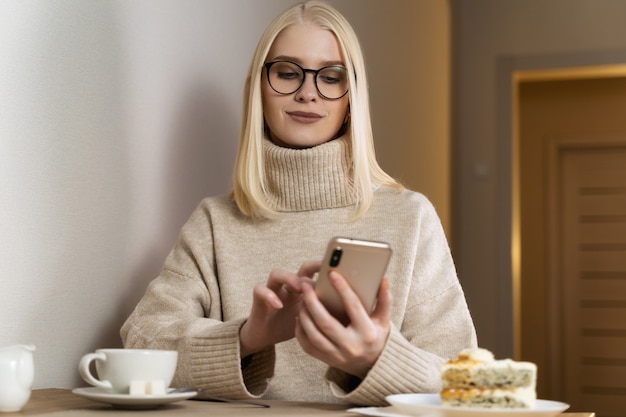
299	61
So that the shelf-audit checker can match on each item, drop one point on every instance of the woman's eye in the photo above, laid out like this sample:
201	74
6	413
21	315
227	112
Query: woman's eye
329	80
288	75
332	76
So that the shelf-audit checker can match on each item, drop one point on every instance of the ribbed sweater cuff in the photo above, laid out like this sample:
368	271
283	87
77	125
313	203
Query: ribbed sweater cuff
401	368
216	364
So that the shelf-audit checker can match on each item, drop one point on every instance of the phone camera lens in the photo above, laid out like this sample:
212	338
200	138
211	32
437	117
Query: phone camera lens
336	257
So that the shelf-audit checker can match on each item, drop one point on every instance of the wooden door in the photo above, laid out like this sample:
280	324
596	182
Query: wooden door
590	282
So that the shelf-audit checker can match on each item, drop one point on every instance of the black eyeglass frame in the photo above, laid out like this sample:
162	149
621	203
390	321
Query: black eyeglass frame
268	65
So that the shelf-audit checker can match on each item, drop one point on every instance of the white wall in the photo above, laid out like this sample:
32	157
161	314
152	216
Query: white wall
117	117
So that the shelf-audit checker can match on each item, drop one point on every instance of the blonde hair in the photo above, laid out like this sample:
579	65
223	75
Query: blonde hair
249	182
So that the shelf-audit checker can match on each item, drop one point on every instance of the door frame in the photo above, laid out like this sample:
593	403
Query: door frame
509	68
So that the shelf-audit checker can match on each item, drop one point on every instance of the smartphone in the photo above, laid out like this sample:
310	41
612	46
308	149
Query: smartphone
362	263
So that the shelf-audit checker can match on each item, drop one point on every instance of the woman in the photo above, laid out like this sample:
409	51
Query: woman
228	300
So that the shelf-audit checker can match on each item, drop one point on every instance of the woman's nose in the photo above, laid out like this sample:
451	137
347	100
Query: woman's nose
308	90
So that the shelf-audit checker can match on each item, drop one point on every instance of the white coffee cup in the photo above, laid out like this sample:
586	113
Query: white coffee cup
117	369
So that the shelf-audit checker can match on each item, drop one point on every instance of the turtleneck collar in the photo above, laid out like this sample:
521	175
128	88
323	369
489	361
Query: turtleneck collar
308	179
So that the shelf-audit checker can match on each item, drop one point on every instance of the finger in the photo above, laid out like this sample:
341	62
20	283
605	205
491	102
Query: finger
382	311
325	323
313	339
352	303
279	278
318	312
303	339
310	268
267	296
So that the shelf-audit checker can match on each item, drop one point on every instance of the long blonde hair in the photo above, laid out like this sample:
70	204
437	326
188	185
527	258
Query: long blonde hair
249	181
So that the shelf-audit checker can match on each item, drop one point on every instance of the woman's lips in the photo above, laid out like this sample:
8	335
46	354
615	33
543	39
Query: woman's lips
304	117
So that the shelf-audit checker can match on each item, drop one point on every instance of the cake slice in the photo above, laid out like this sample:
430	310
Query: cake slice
476	379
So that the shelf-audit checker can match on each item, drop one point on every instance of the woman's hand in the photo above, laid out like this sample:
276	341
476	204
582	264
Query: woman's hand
355	348
274	308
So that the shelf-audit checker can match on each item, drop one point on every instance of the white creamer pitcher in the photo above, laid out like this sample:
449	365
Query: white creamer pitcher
16	376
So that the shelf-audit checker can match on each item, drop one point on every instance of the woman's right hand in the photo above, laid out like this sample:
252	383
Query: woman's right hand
274	308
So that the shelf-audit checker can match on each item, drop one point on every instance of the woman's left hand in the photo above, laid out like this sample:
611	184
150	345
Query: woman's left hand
353	348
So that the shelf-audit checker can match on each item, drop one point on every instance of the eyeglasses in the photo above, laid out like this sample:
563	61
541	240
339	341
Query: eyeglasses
286	77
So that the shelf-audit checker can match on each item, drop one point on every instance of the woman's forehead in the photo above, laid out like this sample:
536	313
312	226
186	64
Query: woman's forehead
307	44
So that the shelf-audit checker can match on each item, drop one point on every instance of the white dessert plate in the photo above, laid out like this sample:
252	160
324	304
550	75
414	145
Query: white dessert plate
132	401
423	404
377	411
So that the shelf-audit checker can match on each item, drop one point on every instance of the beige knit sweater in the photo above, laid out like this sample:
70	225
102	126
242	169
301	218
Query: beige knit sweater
204	293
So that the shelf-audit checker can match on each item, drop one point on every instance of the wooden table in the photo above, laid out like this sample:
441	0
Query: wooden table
62	402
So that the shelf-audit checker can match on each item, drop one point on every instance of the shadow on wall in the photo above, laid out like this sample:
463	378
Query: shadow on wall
202	147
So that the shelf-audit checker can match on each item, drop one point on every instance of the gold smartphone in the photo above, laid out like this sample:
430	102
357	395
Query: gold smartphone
362	263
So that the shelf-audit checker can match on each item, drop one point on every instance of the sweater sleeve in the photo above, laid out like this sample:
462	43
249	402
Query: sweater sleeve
402	367
434	324
181	311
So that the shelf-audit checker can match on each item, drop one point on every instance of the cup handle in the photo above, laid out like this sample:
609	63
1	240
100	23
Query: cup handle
85	373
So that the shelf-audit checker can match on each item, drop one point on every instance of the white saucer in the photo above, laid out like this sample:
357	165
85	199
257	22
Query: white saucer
131	401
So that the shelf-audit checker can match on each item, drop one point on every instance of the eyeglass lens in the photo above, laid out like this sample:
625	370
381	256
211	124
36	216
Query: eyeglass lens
287	77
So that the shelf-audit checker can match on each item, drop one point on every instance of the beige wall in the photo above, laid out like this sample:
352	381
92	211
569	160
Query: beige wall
118	117
491	38
407	48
